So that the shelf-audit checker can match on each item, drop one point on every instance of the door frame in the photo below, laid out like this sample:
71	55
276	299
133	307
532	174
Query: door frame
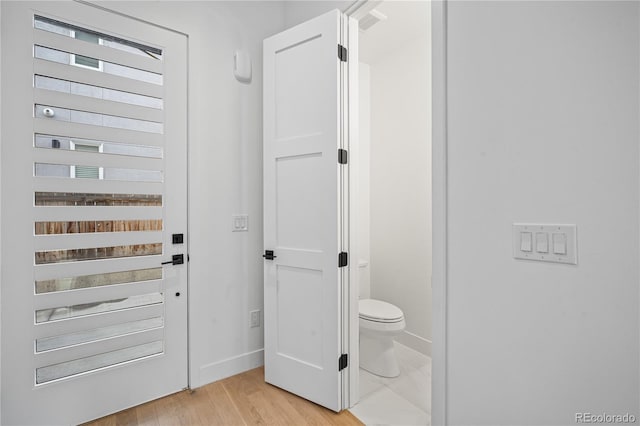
440	204
439	211
351	325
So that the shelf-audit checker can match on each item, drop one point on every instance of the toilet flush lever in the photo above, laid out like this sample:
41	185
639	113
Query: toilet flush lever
268	254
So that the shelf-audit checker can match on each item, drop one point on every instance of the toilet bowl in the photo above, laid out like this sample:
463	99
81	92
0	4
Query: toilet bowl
380	322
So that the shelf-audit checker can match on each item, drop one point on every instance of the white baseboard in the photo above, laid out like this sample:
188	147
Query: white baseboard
231	366
415	342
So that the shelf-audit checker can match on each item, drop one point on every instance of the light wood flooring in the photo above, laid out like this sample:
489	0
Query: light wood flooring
244	399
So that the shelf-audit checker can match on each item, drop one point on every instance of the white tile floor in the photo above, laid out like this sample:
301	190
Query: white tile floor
404	400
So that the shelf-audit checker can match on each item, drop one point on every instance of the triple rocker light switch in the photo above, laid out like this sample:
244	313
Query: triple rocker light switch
545	242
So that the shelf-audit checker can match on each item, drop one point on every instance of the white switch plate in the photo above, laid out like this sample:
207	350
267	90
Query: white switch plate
239	222
254	320
536	229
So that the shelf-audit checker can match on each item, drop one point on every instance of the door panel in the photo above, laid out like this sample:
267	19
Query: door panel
94	168
302	209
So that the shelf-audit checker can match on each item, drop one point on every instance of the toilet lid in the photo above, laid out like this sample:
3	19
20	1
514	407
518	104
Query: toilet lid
377	310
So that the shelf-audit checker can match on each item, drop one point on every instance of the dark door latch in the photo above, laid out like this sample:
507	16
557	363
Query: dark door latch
268	254
176	259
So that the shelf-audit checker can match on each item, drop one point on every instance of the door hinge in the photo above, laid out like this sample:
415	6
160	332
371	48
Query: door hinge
342	156
343	259
342	53
343	361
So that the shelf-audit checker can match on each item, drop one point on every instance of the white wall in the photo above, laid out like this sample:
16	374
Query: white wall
364	180
401	185
299	11
225	154
542	127
0	218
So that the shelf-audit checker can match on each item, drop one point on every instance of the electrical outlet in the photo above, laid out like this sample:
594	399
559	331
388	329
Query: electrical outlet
255	318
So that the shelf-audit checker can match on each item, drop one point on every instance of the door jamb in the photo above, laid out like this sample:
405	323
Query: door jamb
439	207
350	330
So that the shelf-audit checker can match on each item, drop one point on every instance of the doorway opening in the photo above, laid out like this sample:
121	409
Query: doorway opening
393	213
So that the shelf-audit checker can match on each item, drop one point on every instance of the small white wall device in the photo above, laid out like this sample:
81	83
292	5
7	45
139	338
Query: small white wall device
242	66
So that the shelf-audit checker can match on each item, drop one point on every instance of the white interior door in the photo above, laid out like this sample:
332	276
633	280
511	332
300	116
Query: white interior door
303	209
94	184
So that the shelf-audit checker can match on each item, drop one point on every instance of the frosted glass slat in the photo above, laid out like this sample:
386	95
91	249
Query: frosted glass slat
97	280
64	312
96	253
60	270
71	368
73	325
97	239
55	342
61	213
93	295
96	226
95	199
43	359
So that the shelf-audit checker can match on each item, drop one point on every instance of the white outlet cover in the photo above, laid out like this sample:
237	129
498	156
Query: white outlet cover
571	255
255	318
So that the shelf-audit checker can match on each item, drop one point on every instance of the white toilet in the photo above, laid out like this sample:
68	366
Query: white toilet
380	322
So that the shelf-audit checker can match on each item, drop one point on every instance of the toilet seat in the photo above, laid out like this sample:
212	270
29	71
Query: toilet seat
379	311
